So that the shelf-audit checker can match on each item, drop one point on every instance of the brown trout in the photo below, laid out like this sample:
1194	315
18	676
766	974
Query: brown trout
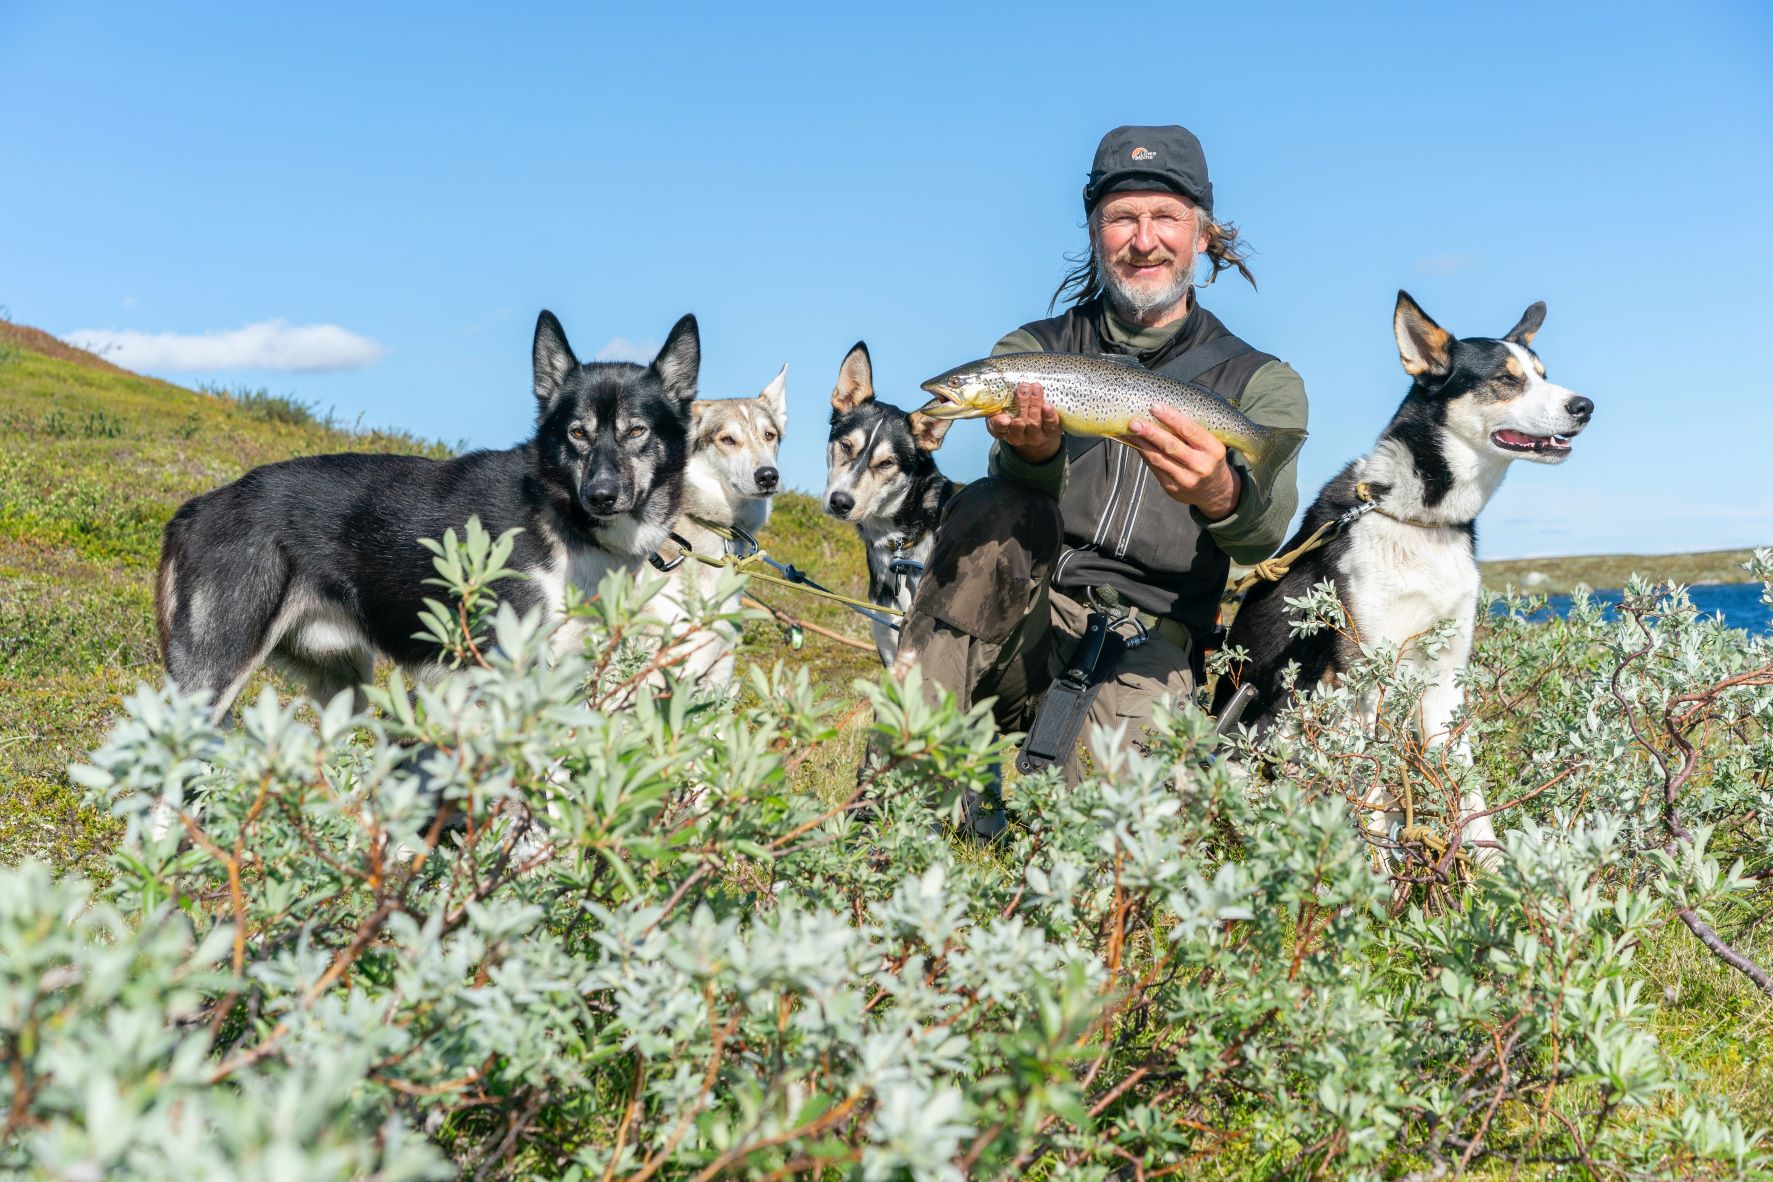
1101	394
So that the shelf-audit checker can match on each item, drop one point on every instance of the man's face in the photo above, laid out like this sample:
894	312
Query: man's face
1146	244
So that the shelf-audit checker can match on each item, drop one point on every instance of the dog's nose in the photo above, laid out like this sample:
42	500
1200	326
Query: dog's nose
601	496
841	503
766	479
1579	408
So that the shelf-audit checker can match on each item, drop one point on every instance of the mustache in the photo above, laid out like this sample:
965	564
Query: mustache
1129	259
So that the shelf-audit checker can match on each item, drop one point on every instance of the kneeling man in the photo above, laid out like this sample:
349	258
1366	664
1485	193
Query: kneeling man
1065	521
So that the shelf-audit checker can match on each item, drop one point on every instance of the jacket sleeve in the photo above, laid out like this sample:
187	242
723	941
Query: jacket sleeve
1274	397
1049	477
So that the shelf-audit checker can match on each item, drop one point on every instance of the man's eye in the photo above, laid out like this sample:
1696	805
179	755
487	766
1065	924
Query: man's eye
577	433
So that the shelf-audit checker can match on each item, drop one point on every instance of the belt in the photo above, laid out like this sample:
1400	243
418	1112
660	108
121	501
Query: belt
1174	631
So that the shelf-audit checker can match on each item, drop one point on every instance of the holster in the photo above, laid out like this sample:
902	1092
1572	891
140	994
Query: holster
1065	705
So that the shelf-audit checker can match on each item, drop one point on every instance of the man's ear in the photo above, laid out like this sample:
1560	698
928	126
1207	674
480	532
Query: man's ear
553	357
855	380
927	431
679	361
1524	332
775	398
1424	346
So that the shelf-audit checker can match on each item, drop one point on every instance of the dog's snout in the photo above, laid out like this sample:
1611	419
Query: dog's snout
767	477
601	496
1580	408
841	503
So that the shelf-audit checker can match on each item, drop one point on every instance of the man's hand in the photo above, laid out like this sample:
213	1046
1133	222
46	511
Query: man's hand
1189	463
1031	430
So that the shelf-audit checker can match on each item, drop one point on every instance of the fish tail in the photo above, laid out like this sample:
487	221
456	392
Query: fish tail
1272	447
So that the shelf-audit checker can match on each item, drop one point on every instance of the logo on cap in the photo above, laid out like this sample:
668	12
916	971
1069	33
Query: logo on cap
1144	154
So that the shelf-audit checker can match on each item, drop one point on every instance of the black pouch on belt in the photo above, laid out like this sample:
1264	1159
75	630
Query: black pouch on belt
1067	701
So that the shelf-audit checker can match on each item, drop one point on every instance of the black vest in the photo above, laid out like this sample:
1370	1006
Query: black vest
1121	529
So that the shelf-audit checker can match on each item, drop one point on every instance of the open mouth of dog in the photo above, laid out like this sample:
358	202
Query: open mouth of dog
1508	439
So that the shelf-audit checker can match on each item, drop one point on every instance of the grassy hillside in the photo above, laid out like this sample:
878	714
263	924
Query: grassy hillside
1555	575
98	460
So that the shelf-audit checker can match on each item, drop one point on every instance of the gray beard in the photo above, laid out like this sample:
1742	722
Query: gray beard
1141	304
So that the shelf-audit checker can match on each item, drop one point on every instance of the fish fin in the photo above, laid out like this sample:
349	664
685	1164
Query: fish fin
1275	446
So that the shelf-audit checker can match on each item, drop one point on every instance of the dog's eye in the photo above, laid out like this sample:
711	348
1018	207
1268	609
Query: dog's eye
729	441
769	436
576	433
883	465
845	449
637	431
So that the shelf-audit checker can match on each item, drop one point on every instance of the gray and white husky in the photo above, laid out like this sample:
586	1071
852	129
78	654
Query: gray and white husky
726	500
881	476
1409	559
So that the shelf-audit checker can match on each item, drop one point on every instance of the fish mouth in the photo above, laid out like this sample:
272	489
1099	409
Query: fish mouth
1539	446
945	405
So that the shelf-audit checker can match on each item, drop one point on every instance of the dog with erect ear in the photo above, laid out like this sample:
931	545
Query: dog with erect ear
1406	557
314	564
727	494
881	477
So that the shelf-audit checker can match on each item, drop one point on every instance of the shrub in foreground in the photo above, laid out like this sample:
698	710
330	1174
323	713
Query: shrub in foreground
565	918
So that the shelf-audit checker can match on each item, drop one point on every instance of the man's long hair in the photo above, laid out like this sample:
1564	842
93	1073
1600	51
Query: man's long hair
1225	250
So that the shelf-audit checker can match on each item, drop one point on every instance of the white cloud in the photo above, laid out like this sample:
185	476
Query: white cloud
623	349
269	344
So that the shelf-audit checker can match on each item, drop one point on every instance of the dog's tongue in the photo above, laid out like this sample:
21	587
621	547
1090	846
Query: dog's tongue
1517	438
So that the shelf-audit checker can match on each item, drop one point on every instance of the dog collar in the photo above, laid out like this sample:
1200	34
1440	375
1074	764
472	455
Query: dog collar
1370	504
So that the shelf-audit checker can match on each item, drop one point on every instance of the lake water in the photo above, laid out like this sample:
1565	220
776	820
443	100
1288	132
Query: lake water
1739	603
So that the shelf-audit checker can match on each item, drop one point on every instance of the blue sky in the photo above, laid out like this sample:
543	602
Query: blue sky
427	178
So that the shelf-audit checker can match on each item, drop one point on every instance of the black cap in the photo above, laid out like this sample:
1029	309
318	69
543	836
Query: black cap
1167	158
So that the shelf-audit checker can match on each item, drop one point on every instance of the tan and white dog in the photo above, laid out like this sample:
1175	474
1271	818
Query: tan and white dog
731	478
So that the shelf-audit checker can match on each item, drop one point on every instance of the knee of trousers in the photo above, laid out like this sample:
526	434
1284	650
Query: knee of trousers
996	545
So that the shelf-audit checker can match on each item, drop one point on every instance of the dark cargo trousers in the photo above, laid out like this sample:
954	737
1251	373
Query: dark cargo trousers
986	624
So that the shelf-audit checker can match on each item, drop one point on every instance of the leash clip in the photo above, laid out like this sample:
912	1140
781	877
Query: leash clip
684	550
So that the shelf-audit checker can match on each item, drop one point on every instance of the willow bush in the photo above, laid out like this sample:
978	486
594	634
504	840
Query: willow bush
567	918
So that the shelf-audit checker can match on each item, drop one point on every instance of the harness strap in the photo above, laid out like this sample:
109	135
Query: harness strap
1066	703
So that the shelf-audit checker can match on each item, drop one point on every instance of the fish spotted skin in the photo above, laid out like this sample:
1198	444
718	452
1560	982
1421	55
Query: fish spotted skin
1101	394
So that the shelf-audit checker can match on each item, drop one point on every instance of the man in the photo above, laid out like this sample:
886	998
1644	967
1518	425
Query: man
1064	521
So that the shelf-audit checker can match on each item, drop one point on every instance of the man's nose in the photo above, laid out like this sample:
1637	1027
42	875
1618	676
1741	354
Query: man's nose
1145	236
1579	408
841	503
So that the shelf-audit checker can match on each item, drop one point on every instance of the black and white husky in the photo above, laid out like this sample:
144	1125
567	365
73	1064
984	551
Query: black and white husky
1408	559
881	476
727	493
315	564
